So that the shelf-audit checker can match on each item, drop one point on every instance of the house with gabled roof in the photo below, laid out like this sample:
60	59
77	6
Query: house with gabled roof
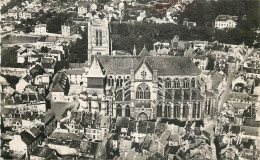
23	82
27	140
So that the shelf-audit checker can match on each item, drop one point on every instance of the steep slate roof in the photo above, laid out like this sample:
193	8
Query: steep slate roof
27	138
57	88
217	78
75	72
144	61
27	78
237	105
35	131
144	52
166	65
54	51
43	152
226	17
49	114
95	69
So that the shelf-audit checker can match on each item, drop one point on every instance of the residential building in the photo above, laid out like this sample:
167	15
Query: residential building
27	141
68	30
225	21
41	153
83	8
48	122
23	82
76	76
40	29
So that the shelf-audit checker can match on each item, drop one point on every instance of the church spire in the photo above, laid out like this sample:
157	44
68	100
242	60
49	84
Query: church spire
134	51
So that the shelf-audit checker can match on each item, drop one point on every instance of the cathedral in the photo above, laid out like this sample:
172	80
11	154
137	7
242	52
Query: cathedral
141	86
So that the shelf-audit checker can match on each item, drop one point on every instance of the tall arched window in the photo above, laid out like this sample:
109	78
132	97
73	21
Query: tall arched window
127	111
160	82
176	83
159	110
176	110
185	110
119	82
110	81
143	91
186	83
209	106
119	110
167	110
168	83
99	105
198	110
193	82
194	110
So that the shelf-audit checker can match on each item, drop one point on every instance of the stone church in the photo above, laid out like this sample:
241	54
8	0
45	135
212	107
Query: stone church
141	86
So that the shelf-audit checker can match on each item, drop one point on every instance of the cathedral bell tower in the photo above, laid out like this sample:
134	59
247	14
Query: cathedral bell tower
98	37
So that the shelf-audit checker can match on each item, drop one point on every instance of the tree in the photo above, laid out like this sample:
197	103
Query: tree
60	65
55	20
44	49
27	29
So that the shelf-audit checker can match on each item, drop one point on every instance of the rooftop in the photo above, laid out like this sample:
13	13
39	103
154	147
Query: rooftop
123	64
43	152
226	17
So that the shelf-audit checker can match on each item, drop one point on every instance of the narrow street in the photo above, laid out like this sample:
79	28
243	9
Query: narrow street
231	75
209	128
227	91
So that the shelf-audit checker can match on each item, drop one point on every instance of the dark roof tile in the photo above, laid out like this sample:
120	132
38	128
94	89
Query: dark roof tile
166	65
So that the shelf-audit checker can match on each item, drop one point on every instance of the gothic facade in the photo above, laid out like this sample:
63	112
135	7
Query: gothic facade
146	87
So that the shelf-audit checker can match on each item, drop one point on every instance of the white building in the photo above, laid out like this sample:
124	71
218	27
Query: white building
42	79
82	8
75	76
23	82
225	21
67	30
93	7
25	15
40	29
